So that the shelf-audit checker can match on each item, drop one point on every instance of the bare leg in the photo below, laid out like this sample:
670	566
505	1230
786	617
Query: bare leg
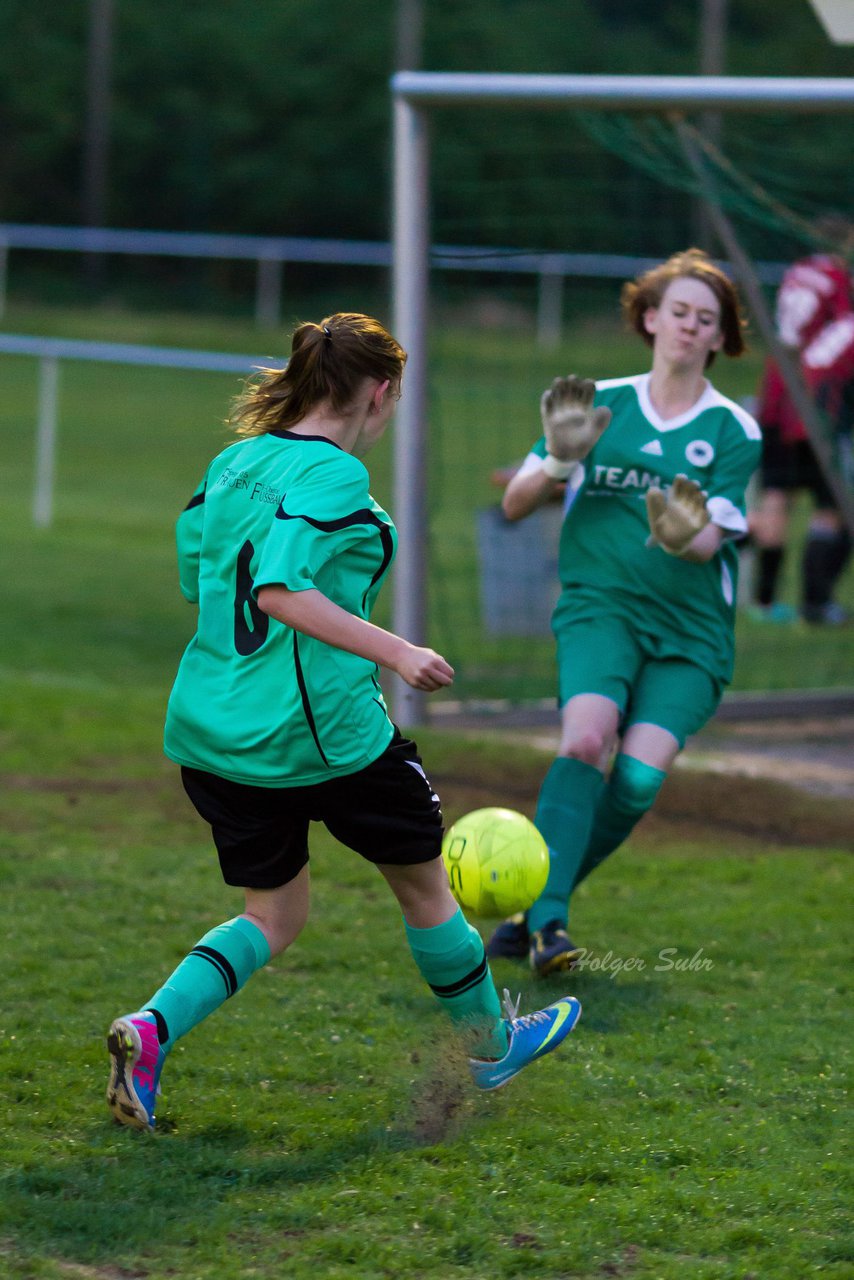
651	744
588	729
423	892
280	913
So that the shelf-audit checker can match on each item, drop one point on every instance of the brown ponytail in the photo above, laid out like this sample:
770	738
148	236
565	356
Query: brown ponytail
328	362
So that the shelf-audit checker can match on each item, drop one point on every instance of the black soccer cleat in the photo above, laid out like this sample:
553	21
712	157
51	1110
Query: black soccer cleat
552	950
511	939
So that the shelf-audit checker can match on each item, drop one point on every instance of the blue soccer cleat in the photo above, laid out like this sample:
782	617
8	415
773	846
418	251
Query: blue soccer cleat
531	1036
137	1060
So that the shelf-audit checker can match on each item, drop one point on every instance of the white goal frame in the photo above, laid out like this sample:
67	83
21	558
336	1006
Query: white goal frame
414	94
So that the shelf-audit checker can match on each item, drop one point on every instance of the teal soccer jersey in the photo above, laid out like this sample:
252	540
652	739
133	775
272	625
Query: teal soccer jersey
254	700
603	556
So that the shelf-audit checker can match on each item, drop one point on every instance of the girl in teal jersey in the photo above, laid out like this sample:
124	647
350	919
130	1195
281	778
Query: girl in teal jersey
656	468
277	718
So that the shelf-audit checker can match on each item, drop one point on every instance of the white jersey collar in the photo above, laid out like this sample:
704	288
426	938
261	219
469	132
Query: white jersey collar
707	400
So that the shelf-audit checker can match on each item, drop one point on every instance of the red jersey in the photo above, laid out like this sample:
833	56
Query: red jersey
815	314
813	292
829	356
775	411
828	365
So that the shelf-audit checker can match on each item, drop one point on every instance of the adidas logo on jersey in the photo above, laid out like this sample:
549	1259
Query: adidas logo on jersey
654	446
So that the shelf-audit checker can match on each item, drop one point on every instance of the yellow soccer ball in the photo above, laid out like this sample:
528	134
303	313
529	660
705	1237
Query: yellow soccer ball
497	862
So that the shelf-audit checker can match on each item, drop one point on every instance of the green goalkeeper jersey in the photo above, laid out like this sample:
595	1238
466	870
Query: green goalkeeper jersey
254	700
604	560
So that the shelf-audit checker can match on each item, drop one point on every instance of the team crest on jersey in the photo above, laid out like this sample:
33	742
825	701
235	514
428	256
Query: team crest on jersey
654	446
699	453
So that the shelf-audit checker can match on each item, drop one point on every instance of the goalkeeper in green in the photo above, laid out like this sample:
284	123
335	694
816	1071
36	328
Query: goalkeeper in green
655	468
278	720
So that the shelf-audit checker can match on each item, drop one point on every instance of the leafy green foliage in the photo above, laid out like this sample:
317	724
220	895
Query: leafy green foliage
276	118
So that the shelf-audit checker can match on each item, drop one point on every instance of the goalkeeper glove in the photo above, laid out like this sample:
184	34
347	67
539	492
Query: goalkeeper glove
675	518
570	423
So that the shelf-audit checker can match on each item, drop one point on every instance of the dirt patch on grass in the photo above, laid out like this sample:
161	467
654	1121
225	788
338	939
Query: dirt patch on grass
108	1272
691	804
754	807
73	786
692	801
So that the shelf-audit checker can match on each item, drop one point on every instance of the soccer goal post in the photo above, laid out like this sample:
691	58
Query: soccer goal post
415	95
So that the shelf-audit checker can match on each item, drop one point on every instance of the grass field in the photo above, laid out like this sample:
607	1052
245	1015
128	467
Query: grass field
692	1126
320	1125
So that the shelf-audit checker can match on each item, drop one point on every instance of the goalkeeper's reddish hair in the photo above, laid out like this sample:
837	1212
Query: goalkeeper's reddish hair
328	362
648	289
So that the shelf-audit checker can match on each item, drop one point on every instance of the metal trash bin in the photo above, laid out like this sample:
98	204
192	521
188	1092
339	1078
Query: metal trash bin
518	570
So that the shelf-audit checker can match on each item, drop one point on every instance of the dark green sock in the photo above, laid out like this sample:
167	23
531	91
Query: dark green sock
630	792
564	817
217	967
452	961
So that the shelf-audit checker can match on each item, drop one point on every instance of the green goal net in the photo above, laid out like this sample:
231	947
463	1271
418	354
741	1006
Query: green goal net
583	199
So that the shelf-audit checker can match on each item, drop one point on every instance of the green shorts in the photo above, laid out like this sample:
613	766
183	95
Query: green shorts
650	685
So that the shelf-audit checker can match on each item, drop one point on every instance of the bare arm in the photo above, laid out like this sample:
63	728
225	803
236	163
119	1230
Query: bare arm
526	491
707	544
314	614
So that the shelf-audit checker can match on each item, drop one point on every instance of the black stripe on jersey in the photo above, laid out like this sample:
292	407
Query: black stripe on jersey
219	962
364	516
197	499
306	705
465	984
297	435
388	551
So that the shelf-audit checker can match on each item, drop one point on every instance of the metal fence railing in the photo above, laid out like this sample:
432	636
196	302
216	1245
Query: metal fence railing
271	253
49	352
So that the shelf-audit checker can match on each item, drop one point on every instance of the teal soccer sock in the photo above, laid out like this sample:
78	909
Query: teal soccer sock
630	792
564	817
452	961
218	966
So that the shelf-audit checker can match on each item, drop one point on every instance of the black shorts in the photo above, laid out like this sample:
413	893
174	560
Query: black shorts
387	812
791	465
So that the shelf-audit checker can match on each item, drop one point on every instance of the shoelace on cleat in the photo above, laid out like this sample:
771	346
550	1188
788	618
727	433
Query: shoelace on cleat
530	1019
511	1012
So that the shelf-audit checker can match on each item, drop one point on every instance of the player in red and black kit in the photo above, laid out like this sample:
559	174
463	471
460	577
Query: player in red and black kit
815	317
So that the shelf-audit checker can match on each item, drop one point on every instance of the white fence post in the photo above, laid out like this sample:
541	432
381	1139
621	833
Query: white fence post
411	267
46	442
549	305
268	293
4	274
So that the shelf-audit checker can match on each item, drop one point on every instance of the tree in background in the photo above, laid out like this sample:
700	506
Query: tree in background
275	119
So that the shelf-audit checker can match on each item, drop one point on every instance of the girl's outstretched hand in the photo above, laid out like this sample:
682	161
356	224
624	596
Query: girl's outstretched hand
677	516
570	423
